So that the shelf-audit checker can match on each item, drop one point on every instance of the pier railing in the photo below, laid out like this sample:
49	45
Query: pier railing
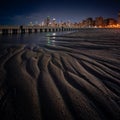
32	29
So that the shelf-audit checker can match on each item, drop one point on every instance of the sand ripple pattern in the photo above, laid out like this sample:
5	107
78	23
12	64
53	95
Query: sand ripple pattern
76	78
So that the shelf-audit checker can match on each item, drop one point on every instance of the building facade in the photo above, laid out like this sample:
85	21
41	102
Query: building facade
119	17
99	21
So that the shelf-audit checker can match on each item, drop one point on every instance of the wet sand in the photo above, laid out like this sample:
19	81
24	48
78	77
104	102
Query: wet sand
76	78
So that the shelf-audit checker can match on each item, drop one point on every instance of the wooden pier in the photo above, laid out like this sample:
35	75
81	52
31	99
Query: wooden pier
32	29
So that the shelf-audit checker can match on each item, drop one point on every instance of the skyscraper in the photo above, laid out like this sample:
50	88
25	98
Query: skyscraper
47	21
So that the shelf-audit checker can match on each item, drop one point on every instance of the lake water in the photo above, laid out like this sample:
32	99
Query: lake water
50	38
33	38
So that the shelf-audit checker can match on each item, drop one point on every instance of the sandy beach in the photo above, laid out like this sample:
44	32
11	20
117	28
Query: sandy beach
76	78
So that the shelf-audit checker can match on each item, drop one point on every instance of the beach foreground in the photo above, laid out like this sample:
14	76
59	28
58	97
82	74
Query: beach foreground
77	78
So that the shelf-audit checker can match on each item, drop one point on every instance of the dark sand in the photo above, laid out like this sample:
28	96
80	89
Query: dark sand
78	79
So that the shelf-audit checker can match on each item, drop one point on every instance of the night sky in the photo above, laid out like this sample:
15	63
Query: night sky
25	11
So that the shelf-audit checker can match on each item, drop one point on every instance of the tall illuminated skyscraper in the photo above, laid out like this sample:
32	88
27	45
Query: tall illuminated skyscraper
47	21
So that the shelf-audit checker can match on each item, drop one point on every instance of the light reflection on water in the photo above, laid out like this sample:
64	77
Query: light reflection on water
33	38
51	39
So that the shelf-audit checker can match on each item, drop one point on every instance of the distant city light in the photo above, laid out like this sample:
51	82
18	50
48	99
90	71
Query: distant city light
54	19
98	22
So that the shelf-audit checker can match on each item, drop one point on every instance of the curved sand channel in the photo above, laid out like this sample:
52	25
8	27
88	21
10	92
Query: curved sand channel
77	79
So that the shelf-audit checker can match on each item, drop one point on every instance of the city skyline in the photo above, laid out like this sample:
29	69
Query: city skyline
23	12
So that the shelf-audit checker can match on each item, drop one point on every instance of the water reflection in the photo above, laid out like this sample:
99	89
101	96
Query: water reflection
51	39
54	34
48	39
40	39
